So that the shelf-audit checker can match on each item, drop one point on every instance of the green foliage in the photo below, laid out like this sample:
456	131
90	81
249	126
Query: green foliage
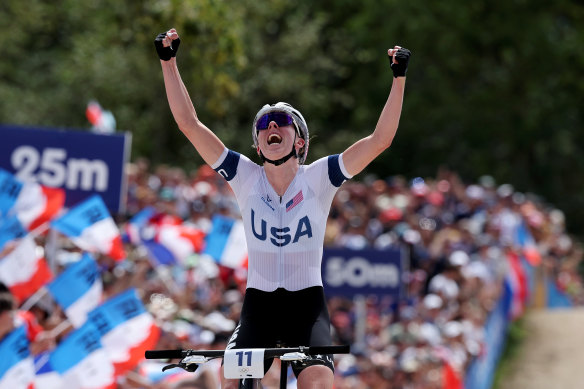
493	87
515	341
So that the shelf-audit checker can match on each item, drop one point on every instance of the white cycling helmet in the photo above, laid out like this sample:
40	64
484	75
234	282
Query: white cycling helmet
299	123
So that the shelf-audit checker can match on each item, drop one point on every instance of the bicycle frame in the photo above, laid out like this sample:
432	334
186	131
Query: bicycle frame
197	357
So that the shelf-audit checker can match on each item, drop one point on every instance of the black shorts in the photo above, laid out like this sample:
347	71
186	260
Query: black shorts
284	318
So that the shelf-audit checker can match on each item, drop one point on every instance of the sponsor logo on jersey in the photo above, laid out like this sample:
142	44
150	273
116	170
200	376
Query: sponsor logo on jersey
267	200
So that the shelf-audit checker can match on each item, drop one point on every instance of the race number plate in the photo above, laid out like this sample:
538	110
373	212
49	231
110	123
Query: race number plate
244	363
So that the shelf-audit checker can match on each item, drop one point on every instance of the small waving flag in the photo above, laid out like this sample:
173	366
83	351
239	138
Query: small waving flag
527	243
38	204
24	270
451	379
33	204
10	187
46	377
159	254
78	289
16	364
136	224
226	242
127	329
166	238
82	361
90	226
182	241
11	229
517	280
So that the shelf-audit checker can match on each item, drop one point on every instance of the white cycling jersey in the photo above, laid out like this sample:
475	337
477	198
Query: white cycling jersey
284	235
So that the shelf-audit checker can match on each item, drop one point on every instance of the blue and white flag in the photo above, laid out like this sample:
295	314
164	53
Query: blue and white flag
16	364
10	229
136	225
158	253
46	377
90	226
226	242
9	189
82	361
78	289
127	329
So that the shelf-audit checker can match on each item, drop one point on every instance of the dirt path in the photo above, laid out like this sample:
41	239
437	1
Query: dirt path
552	354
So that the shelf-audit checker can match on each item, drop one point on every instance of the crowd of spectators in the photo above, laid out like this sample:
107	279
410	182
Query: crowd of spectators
458	237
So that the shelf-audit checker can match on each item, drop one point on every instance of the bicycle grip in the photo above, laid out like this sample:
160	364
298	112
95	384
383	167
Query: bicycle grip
342	349
164	354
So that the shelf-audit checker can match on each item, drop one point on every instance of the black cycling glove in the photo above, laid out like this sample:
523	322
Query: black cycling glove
166	53
401	67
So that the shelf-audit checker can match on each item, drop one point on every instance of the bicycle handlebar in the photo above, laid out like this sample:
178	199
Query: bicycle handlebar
268	352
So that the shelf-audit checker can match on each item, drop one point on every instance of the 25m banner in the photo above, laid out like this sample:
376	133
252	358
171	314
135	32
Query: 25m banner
82	163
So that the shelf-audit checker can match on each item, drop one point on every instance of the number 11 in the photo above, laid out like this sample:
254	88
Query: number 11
240	360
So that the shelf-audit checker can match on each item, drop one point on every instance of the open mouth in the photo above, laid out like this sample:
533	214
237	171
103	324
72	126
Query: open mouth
274	139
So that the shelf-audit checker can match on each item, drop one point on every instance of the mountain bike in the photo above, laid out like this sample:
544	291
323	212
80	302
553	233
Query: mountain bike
246	365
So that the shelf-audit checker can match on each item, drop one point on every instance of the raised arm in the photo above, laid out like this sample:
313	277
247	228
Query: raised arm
365	150
208	145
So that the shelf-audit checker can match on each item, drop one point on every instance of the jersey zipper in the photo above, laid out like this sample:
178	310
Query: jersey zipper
280	256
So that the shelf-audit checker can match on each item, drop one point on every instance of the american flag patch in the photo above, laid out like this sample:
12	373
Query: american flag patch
295	201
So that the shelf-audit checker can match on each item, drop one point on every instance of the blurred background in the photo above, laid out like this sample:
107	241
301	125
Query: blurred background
493	87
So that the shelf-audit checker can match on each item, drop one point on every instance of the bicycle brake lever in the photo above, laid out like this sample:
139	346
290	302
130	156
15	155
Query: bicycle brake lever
171	366
191	368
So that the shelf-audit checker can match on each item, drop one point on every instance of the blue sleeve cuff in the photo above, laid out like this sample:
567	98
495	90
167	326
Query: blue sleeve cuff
336	170
227	164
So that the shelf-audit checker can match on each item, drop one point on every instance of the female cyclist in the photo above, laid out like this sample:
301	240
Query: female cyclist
284	205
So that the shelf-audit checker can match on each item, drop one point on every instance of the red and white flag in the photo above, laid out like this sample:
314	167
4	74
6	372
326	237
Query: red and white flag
37	204
518	282
82	362
32	204
127	330
182	241
25	270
